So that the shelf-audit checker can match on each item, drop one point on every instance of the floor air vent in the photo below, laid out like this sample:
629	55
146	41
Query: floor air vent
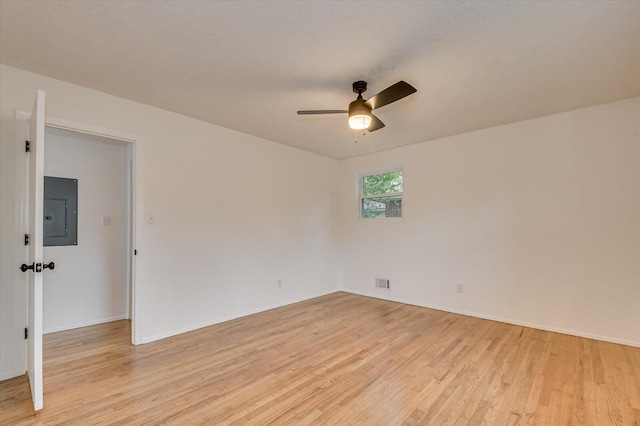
382	283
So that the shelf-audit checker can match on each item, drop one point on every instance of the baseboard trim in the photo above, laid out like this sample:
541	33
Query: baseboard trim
500	319
232	317
11	375
84	324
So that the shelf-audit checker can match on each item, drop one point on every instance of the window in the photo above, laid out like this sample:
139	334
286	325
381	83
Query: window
381	195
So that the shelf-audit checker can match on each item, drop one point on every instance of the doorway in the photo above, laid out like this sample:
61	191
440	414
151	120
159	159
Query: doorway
91	282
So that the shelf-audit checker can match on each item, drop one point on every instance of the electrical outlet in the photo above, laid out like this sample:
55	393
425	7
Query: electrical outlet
460	287
106	220
151	218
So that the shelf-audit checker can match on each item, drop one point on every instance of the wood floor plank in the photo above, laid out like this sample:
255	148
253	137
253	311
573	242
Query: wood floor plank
338	359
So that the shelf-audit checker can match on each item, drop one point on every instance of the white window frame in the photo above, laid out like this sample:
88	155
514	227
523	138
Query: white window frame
362	197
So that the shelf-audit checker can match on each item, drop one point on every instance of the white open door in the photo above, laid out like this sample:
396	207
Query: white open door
35	262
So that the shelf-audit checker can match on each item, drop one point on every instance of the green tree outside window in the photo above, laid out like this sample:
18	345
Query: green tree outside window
374	201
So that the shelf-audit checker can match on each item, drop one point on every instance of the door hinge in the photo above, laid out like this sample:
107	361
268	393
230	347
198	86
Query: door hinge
26	333
27	146
135	252
26	239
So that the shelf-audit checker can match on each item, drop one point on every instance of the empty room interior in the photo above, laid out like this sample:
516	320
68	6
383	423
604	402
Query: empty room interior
319	212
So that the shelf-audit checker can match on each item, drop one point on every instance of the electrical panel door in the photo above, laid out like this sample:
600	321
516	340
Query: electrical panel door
60	211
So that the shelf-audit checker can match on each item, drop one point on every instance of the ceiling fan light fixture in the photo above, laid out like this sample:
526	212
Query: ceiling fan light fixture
359	122
359	114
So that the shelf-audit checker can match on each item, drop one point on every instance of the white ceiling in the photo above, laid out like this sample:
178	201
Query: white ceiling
250	65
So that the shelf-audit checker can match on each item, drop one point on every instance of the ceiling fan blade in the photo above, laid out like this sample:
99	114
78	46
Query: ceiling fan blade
323	111
391	94
375	124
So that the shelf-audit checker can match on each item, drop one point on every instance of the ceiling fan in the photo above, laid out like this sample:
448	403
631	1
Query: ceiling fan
360	117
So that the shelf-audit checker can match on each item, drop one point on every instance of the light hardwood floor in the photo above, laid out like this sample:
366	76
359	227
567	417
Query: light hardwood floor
339	359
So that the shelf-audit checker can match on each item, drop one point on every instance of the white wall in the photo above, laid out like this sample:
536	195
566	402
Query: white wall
235	213
89	284
540	220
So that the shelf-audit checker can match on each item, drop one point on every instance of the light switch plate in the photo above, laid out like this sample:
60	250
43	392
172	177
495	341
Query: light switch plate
106	220
151	218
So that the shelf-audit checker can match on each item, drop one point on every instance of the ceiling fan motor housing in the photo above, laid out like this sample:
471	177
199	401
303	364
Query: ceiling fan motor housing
358	107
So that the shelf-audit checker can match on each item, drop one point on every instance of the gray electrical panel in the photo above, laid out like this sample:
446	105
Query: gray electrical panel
60	211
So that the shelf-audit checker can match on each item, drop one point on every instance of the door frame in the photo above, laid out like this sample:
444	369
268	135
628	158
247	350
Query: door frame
135	206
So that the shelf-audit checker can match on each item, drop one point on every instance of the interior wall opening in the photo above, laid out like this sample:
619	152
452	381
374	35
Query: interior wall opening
91	283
